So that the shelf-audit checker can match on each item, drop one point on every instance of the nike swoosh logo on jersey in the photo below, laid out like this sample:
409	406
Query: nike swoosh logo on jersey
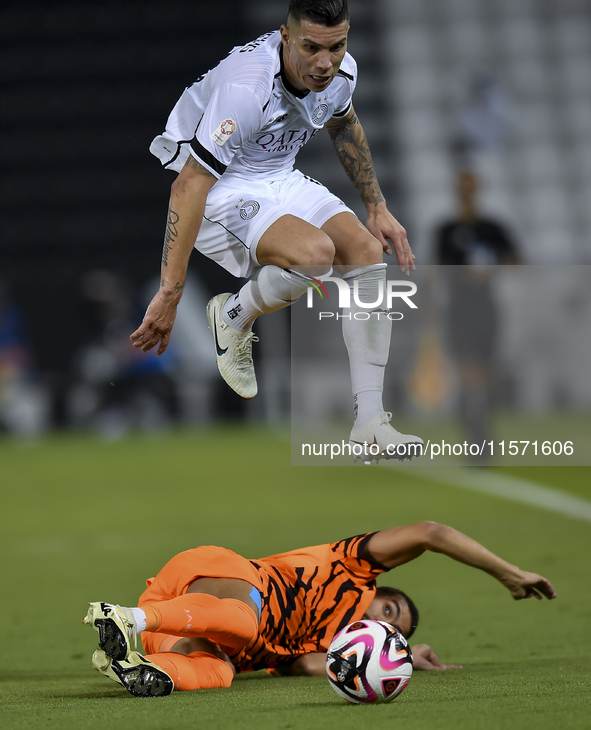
217	344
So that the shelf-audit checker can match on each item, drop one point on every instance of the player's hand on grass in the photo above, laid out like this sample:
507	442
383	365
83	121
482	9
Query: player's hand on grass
424	658
529	585
157	324
383	226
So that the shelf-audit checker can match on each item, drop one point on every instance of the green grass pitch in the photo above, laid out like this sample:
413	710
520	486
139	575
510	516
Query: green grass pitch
84	520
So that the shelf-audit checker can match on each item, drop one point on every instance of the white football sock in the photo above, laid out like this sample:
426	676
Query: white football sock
269	290
367	340
140	619
367	405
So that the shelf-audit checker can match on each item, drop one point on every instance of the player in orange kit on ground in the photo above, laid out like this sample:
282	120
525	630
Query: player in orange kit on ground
210	612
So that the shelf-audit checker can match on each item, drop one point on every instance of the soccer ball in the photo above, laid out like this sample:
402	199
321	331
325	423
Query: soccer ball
369	661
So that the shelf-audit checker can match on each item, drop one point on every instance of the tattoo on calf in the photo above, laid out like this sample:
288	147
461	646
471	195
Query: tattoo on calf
170	235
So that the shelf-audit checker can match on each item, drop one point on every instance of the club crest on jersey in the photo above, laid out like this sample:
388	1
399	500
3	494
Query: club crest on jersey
249	209
223	133
319	113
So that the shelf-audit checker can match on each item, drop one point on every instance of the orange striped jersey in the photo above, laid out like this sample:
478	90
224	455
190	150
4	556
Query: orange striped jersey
308	595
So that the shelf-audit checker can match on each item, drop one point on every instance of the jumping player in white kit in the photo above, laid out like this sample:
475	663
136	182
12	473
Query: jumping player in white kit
233	137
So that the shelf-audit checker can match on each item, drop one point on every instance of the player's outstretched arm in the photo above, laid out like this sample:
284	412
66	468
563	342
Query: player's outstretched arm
350	142
399	545
314	664
185	213
307	665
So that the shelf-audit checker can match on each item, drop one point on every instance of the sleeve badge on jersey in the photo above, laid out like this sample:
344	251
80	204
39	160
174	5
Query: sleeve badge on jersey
223	133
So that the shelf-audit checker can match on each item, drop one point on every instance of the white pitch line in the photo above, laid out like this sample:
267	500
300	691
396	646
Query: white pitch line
509	487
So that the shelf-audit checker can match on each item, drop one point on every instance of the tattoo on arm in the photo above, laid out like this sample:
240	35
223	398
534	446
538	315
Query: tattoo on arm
170	235
178	287
350	142
194	165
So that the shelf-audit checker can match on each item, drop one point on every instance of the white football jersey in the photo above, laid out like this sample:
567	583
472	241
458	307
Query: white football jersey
244	117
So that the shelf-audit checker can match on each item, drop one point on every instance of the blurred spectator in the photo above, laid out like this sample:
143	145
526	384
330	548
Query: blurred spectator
471	238
23	402
471	245
117	387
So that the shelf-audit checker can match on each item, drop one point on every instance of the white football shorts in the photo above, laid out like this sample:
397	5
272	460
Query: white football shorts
239	211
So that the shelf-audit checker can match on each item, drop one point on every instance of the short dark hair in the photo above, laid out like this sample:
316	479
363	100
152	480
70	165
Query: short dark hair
320	12
414	611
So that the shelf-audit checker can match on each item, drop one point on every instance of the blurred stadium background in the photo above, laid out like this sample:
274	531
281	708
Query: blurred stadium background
499	87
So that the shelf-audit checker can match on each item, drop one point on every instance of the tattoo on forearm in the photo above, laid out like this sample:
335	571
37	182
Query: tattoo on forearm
170	235
351	145
178	287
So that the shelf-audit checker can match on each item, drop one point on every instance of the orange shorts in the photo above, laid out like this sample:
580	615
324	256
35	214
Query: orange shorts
207	561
